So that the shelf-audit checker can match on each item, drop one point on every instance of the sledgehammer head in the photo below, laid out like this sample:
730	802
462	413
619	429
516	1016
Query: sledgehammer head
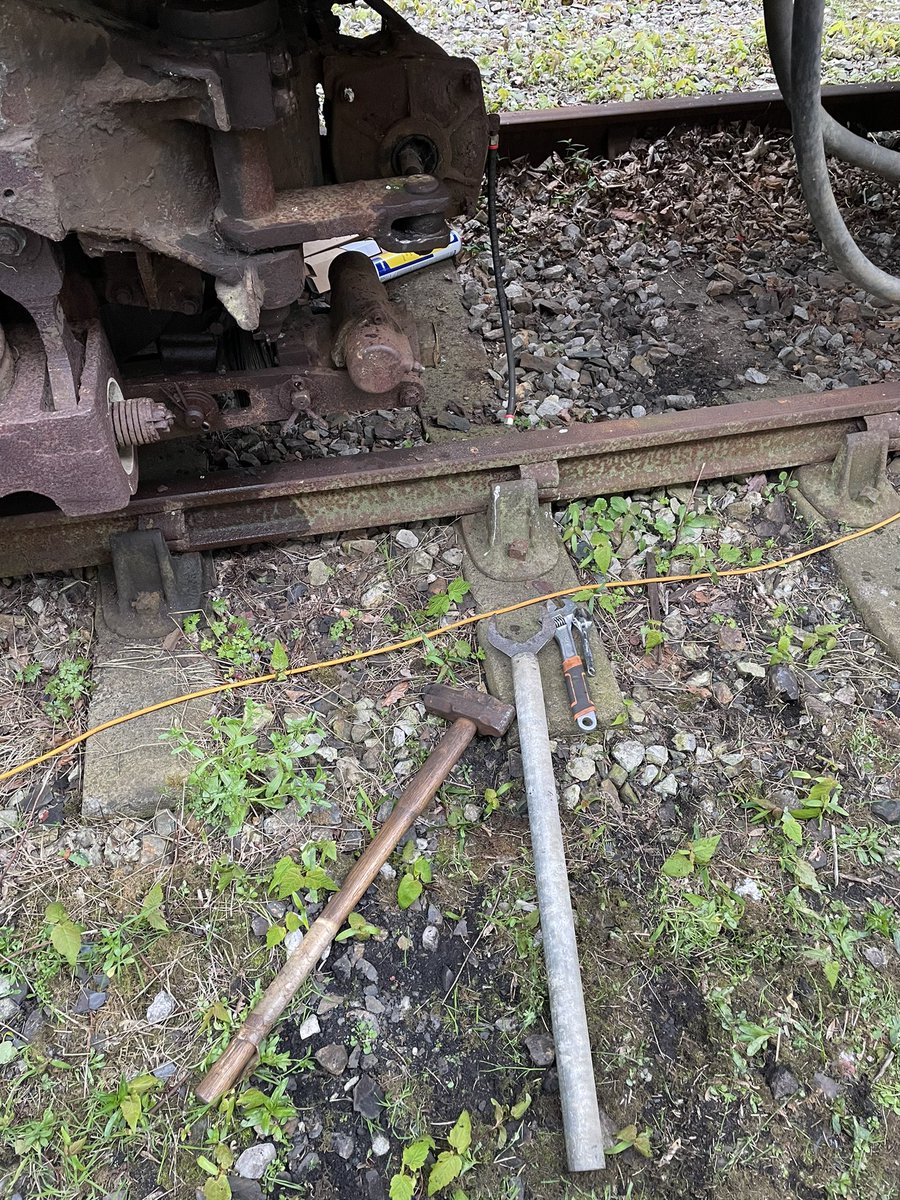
491	717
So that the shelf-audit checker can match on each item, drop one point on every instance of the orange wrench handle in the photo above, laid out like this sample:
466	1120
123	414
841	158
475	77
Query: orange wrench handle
584	713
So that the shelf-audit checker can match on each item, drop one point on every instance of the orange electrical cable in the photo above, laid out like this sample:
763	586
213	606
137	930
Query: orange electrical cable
393	647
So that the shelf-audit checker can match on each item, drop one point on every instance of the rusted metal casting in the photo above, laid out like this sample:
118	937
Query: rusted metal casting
367	338
162	167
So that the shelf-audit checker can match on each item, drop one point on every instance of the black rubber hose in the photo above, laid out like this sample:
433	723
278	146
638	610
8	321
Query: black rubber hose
839	141
810	151
493	154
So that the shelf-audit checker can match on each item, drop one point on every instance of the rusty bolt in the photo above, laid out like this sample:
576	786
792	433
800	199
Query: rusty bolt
12	241
518	549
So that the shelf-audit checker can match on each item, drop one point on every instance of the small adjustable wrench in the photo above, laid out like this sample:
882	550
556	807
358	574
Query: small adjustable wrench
583	711
584	624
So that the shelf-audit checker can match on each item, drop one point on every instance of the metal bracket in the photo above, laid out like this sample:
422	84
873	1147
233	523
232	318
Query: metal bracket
516	539
146	588
854	489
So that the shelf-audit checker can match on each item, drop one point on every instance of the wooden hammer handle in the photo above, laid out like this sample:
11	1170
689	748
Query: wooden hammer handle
243	1050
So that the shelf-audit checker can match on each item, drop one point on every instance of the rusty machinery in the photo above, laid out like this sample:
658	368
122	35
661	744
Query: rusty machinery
161	167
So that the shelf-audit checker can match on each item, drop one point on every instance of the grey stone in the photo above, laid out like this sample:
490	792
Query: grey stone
783	1083
318	572
571	796
374	596
581	768
887	810
255	1159
782	683
754	670
629	755
165	1071
430	938
406	538
244	1189
541	1049
367	970
343	1145
551	407
154	849
364	546
309	1028
367	1098
306	1165
9	1010
259	926
34	1023
292	939
380	1145
333	1058
89	1002
875	957
667	786
374	1185
161	1007
685	742
752	375
164	823
657	755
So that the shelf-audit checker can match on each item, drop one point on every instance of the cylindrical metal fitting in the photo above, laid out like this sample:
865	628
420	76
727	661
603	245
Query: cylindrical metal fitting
367	338
139	422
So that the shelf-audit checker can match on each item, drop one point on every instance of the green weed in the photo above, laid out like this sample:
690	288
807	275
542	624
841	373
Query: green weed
66	687
236	773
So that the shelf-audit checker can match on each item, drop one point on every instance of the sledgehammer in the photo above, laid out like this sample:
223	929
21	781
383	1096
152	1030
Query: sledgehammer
471	712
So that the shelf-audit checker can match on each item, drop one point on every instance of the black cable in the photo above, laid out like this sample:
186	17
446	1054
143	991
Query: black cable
839	141
808	22
493	154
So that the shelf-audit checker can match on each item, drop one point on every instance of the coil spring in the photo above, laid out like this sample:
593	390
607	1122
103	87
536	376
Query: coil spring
138	422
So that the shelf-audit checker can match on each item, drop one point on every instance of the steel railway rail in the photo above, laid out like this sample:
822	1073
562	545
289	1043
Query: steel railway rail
327	495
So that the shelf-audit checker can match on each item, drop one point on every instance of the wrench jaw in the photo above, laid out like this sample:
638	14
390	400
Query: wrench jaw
584	625
532	645
584	714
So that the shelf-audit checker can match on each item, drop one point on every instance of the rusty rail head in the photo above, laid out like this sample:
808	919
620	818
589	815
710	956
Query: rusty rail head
328	495
538	133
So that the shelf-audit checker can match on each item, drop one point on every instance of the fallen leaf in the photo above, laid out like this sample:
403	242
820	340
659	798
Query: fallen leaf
391	697
171	640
